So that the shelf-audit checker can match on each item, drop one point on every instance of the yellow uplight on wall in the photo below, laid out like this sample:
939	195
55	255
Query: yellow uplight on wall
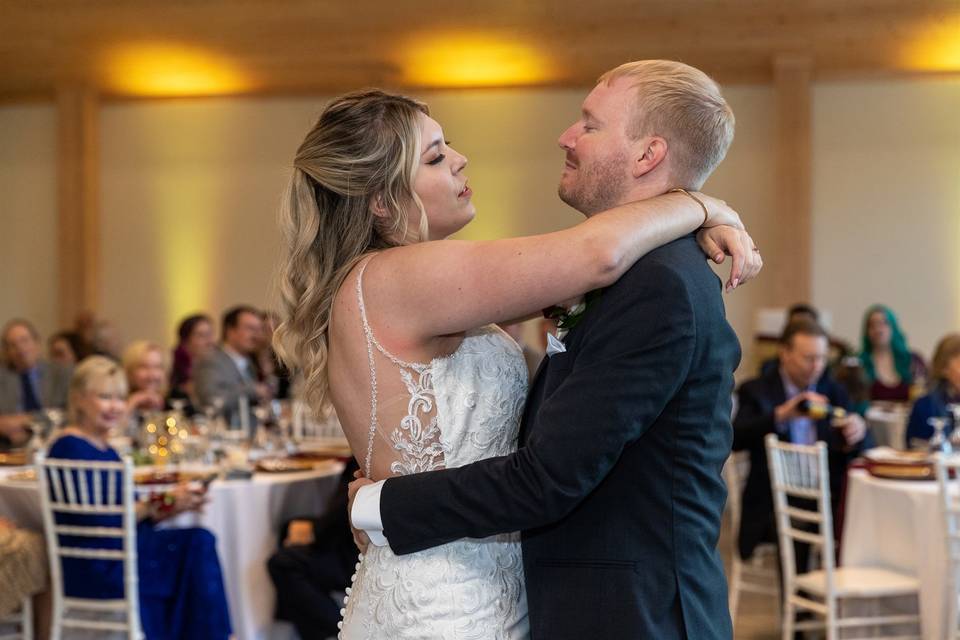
171	70
464	61
936	47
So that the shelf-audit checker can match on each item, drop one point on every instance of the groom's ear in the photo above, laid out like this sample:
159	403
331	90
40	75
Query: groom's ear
650	152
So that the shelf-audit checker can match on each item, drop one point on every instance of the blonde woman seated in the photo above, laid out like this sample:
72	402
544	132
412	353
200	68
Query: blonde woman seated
181	585
146	376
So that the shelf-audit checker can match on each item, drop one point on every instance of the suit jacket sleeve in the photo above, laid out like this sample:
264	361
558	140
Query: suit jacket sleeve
754	418
633	357
211	378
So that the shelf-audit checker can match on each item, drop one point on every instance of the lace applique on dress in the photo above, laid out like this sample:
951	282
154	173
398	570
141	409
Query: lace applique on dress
417	444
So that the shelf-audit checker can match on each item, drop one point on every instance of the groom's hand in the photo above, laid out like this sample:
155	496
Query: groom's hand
359	537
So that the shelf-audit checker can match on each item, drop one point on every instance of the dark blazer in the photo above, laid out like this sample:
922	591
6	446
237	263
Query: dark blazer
757	400
617	485
54	383
934	404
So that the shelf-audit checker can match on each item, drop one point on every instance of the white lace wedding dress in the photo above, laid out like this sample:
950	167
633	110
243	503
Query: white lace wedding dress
462	408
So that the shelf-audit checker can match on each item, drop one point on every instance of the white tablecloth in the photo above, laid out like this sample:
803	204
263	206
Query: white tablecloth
245	516
897	524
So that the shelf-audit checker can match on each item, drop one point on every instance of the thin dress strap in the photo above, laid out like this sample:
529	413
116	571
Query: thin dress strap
372	343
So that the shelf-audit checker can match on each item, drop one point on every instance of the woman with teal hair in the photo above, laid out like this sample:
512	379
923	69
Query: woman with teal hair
895	373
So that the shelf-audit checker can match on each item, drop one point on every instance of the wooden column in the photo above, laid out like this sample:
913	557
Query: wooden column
792	262
78	185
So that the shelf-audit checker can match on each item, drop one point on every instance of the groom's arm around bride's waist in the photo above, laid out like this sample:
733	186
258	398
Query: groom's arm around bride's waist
634	355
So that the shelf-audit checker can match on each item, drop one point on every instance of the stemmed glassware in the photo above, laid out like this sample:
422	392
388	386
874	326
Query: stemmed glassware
954	410
939	443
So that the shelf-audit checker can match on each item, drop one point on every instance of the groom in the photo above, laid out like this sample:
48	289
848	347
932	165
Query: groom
616	485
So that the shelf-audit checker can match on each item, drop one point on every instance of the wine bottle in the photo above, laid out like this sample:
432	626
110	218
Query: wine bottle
820	410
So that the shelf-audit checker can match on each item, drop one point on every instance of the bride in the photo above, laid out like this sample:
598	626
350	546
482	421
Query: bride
392	323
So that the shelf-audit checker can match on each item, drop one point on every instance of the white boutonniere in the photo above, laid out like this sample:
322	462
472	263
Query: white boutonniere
567	318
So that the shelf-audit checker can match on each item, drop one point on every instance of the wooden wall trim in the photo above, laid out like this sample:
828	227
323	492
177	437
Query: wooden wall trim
792	263
78	236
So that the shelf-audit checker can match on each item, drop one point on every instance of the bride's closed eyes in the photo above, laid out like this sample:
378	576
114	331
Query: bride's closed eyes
440	156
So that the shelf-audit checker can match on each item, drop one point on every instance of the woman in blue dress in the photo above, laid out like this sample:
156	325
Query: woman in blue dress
181	585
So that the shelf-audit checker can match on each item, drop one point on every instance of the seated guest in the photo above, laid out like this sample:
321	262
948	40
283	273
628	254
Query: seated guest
27	383
894	372
146	377
848	372
270	371
945	390
803	311
64	348
314	563
778	402
195	341
181	585
105	340
229	373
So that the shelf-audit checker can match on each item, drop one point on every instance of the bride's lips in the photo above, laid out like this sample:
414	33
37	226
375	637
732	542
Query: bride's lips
466	192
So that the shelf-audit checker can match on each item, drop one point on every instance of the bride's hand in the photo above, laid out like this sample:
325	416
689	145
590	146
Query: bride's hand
719	212
722	241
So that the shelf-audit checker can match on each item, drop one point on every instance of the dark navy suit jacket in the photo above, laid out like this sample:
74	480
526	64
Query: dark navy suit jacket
617	484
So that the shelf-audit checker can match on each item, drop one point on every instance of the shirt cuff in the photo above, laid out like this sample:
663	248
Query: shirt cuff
365	514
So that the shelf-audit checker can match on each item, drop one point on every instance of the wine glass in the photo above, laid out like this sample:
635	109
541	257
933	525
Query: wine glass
939	443
954	409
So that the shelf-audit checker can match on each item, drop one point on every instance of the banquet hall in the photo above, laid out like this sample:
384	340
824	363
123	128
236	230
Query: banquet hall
166	470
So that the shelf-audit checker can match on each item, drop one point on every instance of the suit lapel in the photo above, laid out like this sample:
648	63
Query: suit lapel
535	394
533	398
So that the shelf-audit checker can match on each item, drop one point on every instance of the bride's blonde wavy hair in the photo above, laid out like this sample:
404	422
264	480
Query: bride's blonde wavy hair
363	151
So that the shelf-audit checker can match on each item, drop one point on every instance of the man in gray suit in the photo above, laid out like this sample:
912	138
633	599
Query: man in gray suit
228	373
27	383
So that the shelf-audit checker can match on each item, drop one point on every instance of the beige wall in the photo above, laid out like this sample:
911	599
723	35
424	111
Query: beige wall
886	200
190	187
28	214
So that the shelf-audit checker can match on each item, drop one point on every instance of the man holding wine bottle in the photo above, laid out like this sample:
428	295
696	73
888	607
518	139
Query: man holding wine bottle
800	403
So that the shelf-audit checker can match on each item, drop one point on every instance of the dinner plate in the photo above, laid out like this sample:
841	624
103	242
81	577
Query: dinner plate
15	458
331	447
893	471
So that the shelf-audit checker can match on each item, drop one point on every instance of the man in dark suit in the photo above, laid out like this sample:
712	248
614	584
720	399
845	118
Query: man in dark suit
27	383
617	485
779	402
228	373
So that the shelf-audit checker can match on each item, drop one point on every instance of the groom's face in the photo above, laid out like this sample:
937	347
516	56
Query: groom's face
596	175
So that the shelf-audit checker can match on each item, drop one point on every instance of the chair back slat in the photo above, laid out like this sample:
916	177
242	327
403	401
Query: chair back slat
97	488
71	490
111	485
54	477
83	493
92	532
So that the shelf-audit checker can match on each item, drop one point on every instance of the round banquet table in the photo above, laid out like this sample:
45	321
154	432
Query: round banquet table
897	524
245	515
